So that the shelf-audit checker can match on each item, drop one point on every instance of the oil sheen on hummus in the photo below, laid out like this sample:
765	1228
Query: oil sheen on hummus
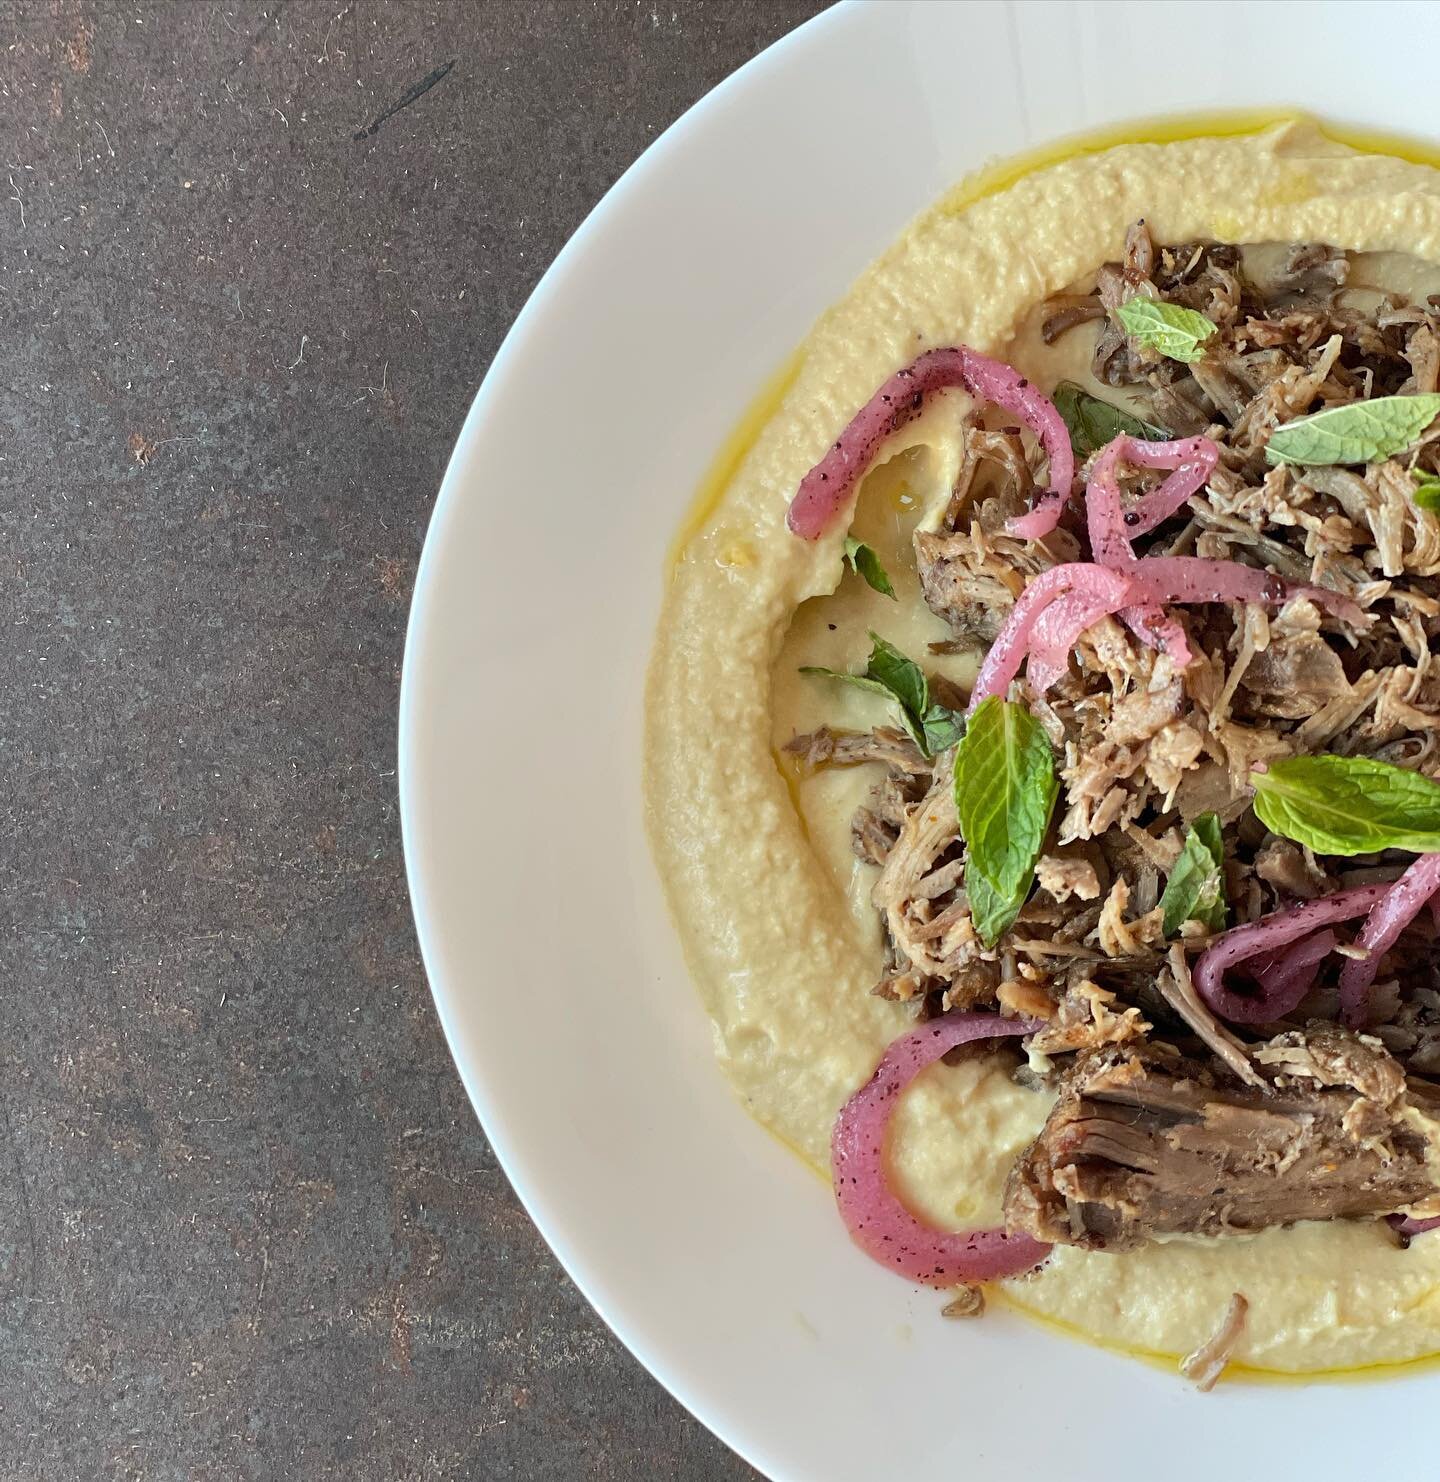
774	910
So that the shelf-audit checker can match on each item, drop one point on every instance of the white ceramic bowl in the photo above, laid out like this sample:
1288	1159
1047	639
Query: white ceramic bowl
717	1259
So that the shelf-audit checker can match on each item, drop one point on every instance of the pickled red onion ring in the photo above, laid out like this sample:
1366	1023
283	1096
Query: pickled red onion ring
1192	460
878	1222
1156	628
1289	976
1268	935
1111	529
1163	579
1108	590
1396	909
826	490
1055	633
1406	1225
1146	584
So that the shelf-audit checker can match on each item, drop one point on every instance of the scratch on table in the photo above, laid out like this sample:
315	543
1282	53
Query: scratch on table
412	95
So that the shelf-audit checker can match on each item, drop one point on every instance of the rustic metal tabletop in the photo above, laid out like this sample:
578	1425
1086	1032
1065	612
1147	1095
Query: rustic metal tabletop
254	260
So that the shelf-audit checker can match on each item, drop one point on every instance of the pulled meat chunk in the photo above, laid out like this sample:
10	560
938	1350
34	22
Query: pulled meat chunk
1087	1017
1142	1144
1207	1363
825	747
1067	875
971	580
1296	678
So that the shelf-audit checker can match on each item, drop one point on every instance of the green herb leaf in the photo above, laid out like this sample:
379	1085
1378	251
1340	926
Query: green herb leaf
1195	890
931	726
866	564
1426	494
904	678
1349	805
1092	423
943	728
991	913
1174	331
1005	791
1359	432
860	681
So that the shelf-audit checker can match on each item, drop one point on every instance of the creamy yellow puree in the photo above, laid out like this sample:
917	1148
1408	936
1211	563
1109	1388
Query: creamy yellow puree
773	910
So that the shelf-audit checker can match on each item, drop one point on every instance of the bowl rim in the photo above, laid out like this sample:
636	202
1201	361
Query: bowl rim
452	491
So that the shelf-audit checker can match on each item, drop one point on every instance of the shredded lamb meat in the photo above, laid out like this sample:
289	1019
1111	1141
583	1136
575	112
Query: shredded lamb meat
1169	1121
1142	1143
1208	1362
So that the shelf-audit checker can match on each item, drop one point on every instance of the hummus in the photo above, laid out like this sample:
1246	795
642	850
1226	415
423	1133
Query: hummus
774	911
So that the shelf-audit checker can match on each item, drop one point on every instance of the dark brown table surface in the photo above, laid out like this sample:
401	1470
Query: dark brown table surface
249	1227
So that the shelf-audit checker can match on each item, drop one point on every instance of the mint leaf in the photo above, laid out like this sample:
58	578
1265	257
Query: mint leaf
860	681
1005	791
931	726
1349	805
991	913
904	678
943	728
1005	788
1170	329
1426	493
865	563
1195	890
1359	432
1092	423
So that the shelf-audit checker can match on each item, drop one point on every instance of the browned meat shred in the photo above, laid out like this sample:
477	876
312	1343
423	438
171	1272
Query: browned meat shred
877	823
1067	310
1142	1143
1208	1362
1177	989
850	748
968	1301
